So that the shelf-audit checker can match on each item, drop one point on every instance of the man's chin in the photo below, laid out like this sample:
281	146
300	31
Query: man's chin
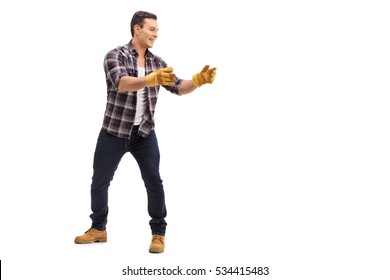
150	44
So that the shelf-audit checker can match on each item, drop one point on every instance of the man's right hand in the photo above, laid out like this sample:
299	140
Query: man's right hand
163	77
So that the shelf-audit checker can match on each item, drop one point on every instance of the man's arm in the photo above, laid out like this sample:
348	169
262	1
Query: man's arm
186	86
206	76
127	83
163	76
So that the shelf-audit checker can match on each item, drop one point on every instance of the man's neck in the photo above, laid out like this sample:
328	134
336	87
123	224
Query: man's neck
140	50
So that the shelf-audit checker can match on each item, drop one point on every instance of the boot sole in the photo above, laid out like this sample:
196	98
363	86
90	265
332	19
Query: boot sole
156	252
92	241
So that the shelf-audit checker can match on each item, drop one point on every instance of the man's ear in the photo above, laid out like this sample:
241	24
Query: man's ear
137	28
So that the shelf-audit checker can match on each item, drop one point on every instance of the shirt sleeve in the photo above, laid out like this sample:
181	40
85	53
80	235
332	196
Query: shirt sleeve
114	67
175	88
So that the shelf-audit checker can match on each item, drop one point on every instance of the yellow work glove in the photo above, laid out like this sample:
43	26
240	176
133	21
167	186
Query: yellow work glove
163	77
206	76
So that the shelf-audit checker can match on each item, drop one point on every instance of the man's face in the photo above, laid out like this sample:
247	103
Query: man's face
148	34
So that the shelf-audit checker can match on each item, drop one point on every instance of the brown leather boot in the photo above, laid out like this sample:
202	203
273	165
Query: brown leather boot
92	235
158	244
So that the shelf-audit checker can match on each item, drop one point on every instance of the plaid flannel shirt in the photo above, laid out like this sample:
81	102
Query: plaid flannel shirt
121	106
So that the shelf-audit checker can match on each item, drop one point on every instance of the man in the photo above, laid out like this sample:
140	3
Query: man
134	76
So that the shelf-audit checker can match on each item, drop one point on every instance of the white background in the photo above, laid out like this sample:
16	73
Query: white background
282	162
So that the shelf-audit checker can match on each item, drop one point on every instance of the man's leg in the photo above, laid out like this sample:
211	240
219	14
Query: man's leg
147	154
108	153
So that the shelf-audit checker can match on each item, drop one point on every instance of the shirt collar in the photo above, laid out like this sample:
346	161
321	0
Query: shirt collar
134	52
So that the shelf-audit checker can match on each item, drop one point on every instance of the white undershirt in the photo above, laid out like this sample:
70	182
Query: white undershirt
141	99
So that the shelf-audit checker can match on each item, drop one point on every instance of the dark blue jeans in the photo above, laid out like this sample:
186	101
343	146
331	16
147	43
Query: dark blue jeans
109	152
